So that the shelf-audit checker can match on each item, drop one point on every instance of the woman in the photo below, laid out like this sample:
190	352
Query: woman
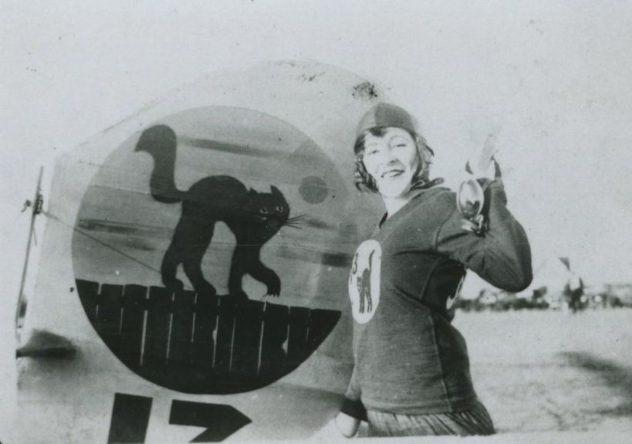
411	374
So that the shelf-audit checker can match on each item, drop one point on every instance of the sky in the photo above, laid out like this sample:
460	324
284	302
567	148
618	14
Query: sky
550	78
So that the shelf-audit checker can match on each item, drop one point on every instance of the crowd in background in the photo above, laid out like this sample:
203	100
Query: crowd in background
573	299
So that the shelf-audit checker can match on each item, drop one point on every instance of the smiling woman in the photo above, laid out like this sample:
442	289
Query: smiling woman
391	158
411	374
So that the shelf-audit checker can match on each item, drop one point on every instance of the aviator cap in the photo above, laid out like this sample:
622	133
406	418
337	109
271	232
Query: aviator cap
385	115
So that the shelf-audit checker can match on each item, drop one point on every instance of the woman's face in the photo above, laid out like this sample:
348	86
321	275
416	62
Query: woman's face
392	160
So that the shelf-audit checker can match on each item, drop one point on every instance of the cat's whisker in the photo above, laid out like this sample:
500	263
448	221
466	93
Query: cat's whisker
295	222
292	225
299	218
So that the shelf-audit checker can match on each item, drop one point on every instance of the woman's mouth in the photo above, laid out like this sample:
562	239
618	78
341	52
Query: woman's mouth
391	173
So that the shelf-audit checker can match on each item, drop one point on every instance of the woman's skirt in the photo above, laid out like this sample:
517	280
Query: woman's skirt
475	421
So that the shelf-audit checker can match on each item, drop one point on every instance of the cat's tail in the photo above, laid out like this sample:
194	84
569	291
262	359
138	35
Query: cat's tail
160	142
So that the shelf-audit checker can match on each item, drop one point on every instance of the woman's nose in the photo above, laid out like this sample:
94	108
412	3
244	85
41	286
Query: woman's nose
387	156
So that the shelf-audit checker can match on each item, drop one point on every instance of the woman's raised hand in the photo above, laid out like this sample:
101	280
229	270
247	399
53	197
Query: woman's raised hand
481	164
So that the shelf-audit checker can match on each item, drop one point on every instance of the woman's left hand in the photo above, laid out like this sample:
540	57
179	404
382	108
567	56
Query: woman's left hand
482	165
342	426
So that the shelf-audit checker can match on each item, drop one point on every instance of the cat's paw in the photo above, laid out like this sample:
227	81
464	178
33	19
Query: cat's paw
274	286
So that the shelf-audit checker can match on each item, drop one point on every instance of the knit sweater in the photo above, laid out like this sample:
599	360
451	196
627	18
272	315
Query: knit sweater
403	284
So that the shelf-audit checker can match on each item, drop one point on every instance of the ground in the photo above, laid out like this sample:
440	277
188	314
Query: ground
536	371
553	371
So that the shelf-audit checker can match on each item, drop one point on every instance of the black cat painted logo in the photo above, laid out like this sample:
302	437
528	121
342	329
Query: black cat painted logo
253	218
364	280
172	288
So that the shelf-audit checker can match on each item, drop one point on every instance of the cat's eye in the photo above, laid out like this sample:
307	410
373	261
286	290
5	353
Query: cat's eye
279	208
263	211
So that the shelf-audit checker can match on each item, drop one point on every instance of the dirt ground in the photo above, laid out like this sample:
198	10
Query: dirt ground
552	371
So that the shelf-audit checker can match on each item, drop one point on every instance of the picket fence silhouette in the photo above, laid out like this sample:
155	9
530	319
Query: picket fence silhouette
200	344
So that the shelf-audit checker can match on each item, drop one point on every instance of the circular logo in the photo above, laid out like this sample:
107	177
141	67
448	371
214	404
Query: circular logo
186	252
364	280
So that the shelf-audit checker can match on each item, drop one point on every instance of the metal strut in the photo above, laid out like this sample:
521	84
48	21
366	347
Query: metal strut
37	205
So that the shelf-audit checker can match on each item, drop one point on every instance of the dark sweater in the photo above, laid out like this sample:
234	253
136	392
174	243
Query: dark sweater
404	279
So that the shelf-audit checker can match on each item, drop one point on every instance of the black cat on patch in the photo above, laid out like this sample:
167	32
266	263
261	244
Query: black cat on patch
253	217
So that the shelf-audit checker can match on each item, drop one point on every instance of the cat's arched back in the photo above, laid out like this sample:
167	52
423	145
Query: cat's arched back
252	216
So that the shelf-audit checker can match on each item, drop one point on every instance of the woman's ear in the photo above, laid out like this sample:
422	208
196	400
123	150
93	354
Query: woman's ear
421	162
362	179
